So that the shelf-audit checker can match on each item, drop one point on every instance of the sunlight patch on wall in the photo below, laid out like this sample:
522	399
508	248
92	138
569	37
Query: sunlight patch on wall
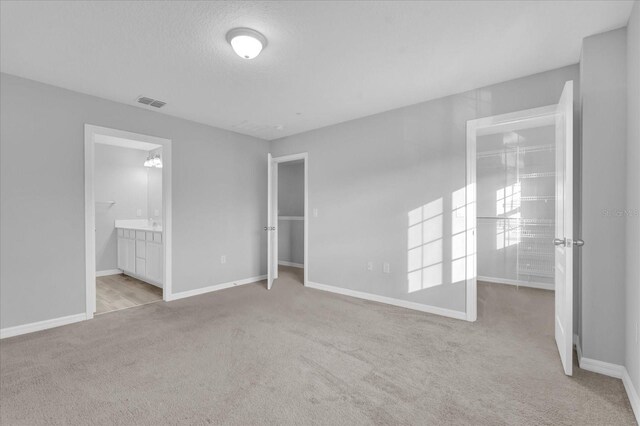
424	260
508	202
459	235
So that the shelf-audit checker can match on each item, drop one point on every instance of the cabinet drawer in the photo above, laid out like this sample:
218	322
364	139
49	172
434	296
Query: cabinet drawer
157	237
120	233
141	249
140	235
149	236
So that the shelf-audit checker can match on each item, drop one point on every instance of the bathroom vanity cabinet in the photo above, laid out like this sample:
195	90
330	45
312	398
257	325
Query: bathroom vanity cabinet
140	254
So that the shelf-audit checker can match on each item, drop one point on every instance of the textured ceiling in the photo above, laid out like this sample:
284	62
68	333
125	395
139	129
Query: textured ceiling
326	62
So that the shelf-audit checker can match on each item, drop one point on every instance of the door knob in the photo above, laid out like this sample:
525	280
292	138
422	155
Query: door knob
559	241
578	243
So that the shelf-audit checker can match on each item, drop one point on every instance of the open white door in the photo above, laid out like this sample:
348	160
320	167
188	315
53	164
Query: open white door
564	241
272	219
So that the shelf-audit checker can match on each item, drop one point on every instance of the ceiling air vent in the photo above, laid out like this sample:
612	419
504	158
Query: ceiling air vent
151	102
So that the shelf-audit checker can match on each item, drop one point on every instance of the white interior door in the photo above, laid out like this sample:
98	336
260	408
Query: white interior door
564	241
272	219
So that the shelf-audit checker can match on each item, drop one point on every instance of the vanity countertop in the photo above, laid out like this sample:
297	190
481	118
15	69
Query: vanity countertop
142	228
138	225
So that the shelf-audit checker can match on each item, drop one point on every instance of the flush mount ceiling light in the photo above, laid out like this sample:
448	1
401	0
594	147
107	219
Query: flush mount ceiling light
247	43
153	161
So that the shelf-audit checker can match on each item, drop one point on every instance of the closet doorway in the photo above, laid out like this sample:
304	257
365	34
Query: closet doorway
287	219
519	209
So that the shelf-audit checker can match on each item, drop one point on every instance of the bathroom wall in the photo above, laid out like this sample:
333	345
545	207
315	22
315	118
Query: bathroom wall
120	176
291	203
154	187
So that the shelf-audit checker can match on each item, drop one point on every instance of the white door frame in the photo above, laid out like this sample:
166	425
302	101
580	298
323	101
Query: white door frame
285	159
479	127
89	208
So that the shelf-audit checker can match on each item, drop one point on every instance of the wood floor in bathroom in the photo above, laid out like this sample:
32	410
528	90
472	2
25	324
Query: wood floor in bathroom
115	292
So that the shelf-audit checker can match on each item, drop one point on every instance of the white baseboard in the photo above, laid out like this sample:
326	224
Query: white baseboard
108	272
520	283
390	301
612	370
606	368
294	265
596	366
216	287
632	393
41	325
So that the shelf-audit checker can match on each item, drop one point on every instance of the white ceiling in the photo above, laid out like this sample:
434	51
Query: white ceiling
326	62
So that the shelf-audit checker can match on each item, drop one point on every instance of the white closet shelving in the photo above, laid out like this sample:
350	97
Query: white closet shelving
516	204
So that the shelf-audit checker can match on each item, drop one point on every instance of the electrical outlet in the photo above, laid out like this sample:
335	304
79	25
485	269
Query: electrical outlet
156	212
386	268
315	212
139	212
223	259
369	266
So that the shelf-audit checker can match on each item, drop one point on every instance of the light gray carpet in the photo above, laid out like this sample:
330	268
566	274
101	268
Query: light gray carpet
300	356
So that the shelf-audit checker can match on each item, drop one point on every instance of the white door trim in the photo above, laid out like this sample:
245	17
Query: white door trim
305	157
89	208
479	127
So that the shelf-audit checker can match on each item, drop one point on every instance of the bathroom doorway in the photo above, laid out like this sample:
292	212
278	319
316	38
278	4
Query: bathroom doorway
128	219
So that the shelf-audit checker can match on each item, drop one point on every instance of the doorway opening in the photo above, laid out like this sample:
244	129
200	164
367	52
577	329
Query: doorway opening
127	219
519	214
287	219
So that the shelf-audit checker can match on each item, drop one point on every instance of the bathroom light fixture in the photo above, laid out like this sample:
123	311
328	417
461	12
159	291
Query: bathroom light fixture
247	43
154	161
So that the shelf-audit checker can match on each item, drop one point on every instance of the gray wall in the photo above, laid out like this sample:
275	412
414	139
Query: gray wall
121	177
633	198
291	189
604	126
291	203
367	175
219	198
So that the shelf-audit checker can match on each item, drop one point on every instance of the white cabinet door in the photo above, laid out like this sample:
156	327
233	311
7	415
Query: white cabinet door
130	253
127	254
122	257
154	262
141	249
141	267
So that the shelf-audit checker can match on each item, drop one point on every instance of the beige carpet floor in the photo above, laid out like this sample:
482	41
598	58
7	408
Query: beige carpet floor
293	355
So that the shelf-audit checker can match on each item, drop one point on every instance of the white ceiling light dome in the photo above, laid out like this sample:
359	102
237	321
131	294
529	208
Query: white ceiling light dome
247	43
